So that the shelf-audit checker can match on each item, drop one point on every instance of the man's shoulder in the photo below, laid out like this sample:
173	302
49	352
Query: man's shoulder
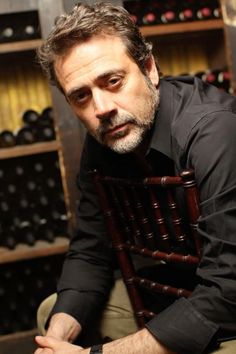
194	103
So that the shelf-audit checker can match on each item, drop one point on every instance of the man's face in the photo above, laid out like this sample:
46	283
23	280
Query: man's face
108	92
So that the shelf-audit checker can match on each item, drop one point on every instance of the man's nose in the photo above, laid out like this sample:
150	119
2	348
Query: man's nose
104	106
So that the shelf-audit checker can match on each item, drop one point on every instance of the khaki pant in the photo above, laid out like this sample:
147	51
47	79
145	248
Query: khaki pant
117	320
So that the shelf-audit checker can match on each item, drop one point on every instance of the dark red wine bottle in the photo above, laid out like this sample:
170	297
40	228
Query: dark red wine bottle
168	17
169	12
187	10
135	8
204	10
149	18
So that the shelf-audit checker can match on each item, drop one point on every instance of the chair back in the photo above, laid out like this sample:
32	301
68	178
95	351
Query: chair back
153	218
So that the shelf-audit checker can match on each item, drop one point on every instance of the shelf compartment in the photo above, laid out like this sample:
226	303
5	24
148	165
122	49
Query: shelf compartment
40	249
32	149
20	46
195	26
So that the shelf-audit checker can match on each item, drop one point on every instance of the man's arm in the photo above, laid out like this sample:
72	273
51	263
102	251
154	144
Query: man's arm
137	343
87	274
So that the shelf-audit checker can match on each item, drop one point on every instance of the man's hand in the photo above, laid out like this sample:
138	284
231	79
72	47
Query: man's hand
50	345
63	327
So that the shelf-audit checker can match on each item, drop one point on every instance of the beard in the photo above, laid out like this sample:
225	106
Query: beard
135	126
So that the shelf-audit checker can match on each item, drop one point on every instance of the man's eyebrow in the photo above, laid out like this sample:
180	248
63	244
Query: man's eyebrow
109	73
73	92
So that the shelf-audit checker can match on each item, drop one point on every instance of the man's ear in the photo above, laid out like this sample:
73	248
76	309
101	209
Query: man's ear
151	70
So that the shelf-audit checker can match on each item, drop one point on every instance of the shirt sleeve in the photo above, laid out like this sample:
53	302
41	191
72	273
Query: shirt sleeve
87	274
189	325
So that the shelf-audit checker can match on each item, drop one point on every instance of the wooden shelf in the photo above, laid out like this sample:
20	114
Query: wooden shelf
18	335
20	46
32	149
40	249
183	27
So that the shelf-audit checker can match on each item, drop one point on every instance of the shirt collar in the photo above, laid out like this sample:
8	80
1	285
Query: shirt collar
161	136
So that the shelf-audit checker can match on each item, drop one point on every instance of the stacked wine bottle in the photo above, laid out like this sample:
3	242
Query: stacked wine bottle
153	12
36	127
19	26
23	286
220	78
32	205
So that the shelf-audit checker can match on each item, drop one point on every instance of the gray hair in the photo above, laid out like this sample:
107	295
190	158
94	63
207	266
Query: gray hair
84	22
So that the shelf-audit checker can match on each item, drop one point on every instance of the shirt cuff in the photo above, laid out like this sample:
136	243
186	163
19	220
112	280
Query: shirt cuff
84	307
182	329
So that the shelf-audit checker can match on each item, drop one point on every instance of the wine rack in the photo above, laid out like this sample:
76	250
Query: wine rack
156	12
24	285
32	201
33	196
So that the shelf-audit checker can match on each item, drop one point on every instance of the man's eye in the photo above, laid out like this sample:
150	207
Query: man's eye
113	82
81	97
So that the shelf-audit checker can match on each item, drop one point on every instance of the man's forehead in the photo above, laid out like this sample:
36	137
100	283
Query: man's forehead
96	56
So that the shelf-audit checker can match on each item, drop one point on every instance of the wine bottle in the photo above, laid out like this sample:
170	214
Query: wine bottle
186	12
19	171
2	176
60	222
4	209
26	233
168	17
29	25
149	18
204	11
136	11
45	133
169	12
38	168
25	136
43	205
11	192
31	188
46	116
7	238
23	207
7	139
7	34
50	185
210	77
30	117
224	80
29	32
45	231
217	12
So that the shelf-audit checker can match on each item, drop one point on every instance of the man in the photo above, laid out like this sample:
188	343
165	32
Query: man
135	120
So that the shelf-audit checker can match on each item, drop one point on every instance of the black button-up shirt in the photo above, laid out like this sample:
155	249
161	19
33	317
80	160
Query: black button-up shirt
195	127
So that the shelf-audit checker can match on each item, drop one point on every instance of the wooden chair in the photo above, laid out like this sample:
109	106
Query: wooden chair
146	218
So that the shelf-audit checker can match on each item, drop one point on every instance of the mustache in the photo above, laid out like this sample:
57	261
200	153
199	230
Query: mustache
115	121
